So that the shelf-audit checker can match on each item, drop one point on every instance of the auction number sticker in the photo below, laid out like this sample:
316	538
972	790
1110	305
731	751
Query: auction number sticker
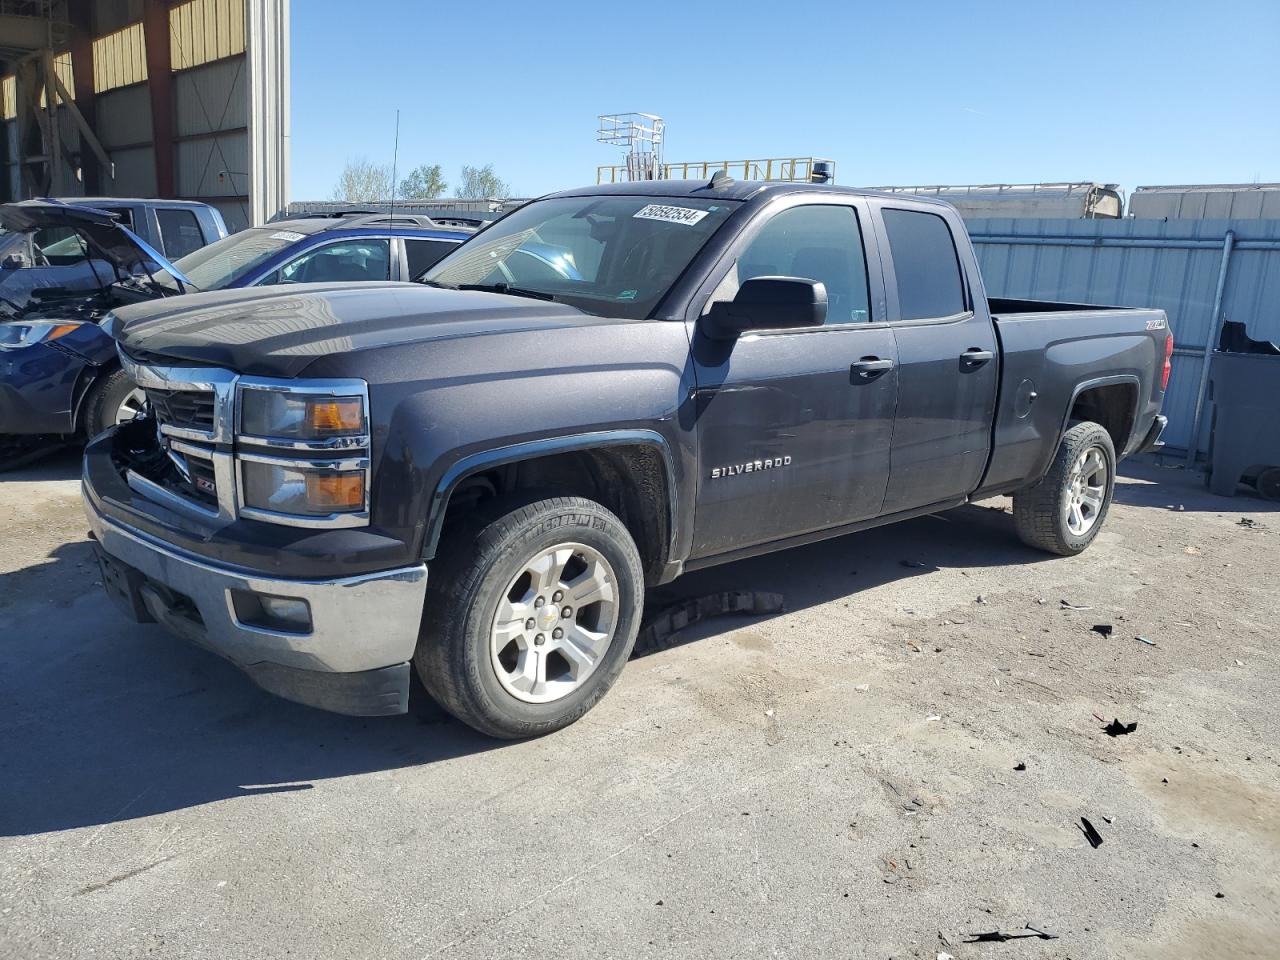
669	214
288	235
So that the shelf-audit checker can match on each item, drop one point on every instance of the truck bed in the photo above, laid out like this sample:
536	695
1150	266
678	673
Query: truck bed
1044	347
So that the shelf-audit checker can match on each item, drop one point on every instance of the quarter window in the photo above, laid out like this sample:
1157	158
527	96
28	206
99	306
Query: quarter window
812	242
925	265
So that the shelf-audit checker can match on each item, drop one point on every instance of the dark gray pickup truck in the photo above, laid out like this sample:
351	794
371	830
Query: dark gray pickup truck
478	475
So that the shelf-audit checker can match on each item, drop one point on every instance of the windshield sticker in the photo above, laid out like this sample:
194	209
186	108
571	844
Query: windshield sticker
669	214
628	294
288	235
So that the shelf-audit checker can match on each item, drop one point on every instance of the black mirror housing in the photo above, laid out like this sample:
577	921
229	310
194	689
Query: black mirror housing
769	303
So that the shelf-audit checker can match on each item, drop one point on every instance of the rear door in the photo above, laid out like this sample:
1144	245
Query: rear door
947	355
793	426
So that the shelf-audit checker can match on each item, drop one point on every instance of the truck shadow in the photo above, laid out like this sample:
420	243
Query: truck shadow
105	721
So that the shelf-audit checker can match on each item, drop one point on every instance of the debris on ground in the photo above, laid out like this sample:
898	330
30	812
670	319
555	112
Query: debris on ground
1149	643
1090	833
1192	551
1026	933
1117	729
913	564
1019	766
1103	629
658	633
1247	522
1068	605
981	599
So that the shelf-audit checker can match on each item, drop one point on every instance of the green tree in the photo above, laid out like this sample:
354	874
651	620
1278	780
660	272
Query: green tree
481	183
363	181
423	183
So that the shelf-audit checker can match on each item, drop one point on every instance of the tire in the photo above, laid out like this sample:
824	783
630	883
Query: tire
1043	513
487	675
109	401
1268	483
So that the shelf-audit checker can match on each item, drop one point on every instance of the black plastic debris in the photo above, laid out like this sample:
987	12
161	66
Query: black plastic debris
1117	729
1103	629
1019	766
1247	522
913	564
1090	833
998	936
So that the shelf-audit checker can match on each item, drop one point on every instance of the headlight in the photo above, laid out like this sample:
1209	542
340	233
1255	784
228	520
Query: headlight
17	334
303	490
294	416
302	447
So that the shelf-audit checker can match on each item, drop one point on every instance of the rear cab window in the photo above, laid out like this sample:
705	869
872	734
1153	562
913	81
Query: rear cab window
925	264
179	232
422	254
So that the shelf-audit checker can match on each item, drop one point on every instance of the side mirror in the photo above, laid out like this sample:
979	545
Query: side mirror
14	261
769	303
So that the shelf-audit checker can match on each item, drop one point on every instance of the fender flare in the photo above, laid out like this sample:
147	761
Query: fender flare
474	463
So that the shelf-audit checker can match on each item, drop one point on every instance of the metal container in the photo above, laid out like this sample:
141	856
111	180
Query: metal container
1245	390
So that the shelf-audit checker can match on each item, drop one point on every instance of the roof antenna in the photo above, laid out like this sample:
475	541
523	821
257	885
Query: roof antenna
719	179
395	155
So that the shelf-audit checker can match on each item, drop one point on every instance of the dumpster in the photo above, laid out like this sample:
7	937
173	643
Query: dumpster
1244	384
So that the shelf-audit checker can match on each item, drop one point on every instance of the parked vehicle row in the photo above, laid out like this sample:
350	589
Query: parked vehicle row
476	476
63	266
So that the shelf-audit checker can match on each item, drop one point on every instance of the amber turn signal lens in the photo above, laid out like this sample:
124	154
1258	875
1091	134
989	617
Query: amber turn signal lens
61	330
335	491
343	415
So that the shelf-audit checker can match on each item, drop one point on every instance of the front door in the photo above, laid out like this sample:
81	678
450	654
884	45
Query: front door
794	426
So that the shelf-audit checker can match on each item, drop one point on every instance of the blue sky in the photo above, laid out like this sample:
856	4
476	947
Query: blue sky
894	92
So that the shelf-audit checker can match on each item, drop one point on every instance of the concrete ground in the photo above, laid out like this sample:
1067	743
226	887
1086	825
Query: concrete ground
844	780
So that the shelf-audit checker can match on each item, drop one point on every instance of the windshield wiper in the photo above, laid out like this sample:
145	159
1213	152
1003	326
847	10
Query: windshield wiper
507	289
437	284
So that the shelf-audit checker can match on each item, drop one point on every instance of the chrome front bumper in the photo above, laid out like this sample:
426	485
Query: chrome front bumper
353	658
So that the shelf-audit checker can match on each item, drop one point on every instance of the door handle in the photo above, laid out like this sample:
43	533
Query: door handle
868	368
973	357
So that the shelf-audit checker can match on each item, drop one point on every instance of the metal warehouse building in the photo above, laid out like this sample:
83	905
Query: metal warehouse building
147	98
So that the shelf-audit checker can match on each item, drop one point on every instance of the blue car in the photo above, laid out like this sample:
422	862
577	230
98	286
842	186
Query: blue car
59	374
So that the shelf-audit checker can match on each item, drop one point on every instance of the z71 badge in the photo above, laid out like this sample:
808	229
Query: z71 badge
751	466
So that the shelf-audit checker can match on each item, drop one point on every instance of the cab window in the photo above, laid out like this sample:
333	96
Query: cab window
812	242
346	260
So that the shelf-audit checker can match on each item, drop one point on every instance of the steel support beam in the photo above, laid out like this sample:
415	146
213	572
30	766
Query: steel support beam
155	27
81	12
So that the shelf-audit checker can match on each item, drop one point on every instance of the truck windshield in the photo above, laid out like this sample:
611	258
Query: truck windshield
227	260
612	255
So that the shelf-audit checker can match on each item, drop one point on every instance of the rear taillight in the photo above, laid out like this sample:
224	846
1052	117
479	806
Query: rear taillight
1168	362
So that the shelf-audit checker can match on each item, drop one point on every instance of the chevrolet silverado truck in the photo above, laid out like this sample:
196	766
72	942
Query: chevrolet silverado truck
477	476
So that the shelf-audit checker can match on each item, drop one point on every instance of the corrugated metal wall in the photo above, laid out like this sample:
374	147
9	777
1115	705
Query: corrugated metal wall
1173	265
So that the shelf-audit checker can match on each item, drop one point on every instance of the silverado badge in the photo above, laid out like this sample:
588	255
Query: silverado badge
751	466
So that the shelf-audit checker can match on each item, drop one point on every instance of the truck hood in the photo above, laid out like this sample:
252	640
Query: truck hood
278	331
106	236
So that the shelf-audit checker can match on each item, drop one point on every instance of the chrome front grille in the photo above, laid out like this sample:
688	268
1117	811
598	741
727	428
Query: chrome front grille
195	411
188	410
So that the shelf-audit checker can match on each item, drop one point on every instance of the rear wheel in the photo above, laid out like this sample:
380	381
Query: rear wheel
1268	483
1064	511
532	617
115	399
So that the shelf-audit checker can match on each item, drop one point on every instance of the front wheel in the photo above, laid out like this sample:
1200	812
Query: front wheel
115	399
532	617
1064	511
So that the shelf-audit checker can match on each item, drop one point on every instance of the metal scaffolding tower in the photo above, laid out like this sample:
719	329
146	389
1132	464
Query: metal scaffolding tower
641	134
